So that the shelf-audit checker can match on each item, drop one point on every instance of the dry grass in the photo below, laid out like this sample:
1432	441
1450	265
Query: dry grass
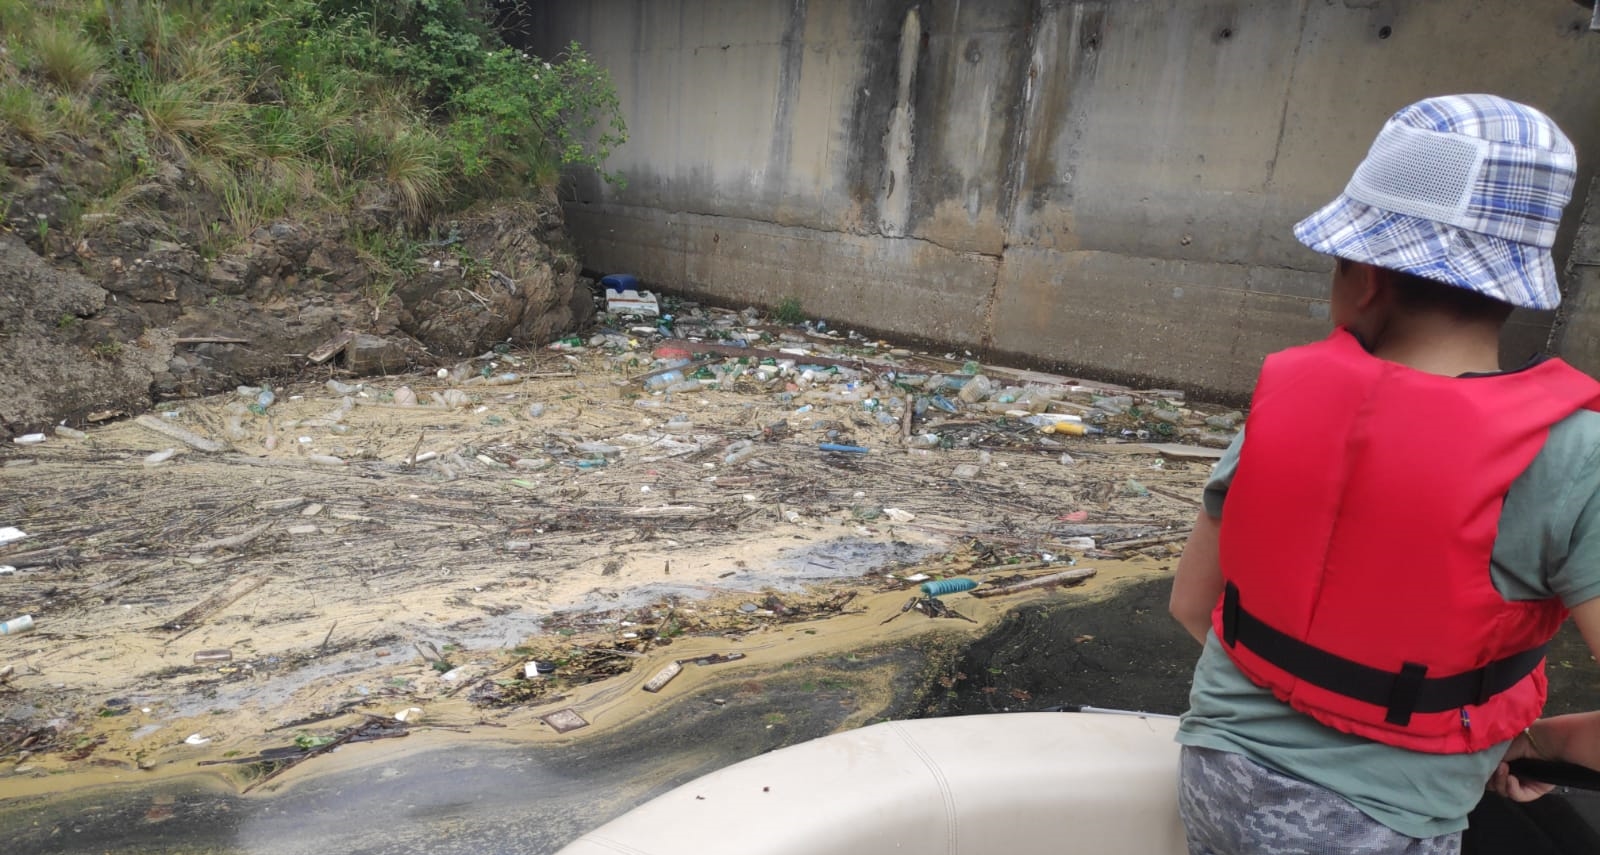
63	55
413	166
25	113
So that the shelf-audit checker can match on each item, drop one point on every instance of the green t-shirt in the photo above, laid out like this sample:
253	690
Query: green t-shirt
1548	545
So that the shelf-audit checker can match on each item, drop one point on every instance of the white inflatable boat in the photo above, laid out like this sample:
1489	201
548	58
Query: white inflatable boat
1018	783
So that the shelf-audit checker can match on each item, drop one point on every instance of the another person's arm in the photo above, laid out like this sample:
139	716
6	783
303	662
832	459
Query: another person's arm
1573	738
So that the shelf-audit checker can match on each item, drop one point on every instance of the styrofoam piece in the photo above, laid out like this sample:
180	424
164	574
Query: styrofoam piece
633	303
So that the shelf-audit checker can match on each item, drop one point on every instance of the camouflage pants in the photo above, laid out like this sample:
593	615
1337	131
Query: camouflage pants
1234	806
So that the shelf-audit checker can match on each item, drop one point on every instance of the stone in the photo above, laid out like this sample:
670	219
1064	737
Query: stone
370	354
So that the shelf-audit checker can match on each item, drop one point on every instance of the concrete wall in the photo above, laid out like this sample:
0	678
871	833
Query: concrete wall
1578	335
1105	187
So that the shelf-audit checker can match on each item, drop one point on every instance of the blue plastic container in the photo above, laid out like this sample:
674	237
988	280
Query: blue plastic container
947	586
621	282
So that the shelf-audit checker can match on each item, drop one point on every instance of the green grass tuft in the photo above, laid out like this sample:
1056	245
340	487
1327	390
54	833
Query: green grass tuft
26	112
66	57
788	311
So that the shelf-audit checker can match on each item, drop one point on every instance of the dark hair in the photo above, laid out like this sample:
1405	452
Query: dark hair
1420	294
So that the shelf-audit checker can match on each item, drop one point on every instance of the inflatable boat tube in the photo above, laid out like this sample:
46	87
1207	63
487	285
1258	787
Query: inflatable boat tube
1018	783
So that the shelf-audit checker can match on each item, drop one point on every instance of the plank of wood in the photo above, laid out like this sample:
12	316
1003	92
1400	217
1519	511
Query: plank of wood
1152	540
1184	451
331	347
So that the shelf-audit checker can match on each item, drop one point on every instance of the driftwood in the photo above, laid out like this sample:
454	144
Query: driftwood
211	339
214	603
1075	576
235	541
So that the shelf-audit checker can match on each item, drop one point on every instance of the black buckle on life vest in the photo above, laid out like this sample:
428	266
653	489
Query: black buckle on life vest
1486	681
1230	614
1400	694
1403	697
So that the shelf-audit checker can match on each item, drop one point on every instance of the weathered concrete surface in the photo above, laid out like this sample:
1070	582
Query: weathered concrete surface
1579	331
1105	186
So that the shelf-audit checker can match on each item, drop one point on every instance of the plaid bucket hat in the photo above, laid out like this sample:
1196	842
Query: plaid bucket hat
1465	189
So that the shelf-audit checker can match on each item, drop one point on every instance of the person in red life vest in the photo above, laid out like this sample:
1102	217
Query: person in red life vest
1402	525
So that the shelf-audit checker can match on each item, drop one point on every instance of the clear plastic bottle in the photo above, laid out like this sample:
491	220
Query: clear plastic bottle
738	451
977	389
264	399
661	382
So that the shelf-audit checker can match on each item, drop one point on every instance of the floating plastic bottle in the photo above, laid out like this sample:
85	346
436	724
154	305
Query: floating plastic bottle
264	399
1050	419
17	625
1071	429
977	389
160	457
662	381
738	451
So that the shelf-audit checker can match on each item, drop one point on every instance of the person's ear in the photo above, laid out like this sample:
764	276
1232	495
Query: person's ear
1372	288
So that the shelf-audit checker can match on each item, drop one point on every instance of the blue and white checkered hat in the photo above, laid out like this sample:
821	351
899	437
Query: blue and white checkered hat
1464	189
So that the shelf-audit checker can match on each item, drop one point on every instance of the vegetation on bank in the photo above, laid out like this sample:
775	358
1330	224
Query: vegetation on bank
273	109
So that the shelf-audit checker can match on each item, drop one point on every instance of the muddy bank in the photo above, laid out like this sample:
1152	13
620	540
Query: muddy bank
1126	652
1119	652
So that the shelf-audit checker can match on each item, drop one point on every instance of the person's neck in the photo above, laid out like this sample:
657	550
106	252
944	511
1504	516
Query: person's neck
1439	344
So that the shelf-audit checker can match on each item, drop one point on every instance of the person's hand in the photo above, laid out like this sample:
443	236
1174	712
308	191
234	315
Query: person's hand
1503	783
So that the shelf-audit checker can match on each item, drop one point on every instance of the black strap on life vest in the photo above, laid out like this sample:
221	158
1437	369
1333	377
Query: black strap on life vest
1401	693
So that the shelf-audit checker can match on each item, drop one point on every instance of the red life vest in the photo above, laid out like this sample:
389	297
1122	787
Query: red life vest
1356	540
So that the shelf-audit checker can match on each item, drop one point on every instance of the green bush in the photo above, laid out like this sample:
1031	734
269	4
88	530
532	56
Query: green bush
273	104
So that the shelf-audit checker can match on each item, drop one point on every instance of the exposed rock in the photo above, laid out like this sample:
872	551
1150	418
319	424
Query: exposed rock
370	354
59	355
151	316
